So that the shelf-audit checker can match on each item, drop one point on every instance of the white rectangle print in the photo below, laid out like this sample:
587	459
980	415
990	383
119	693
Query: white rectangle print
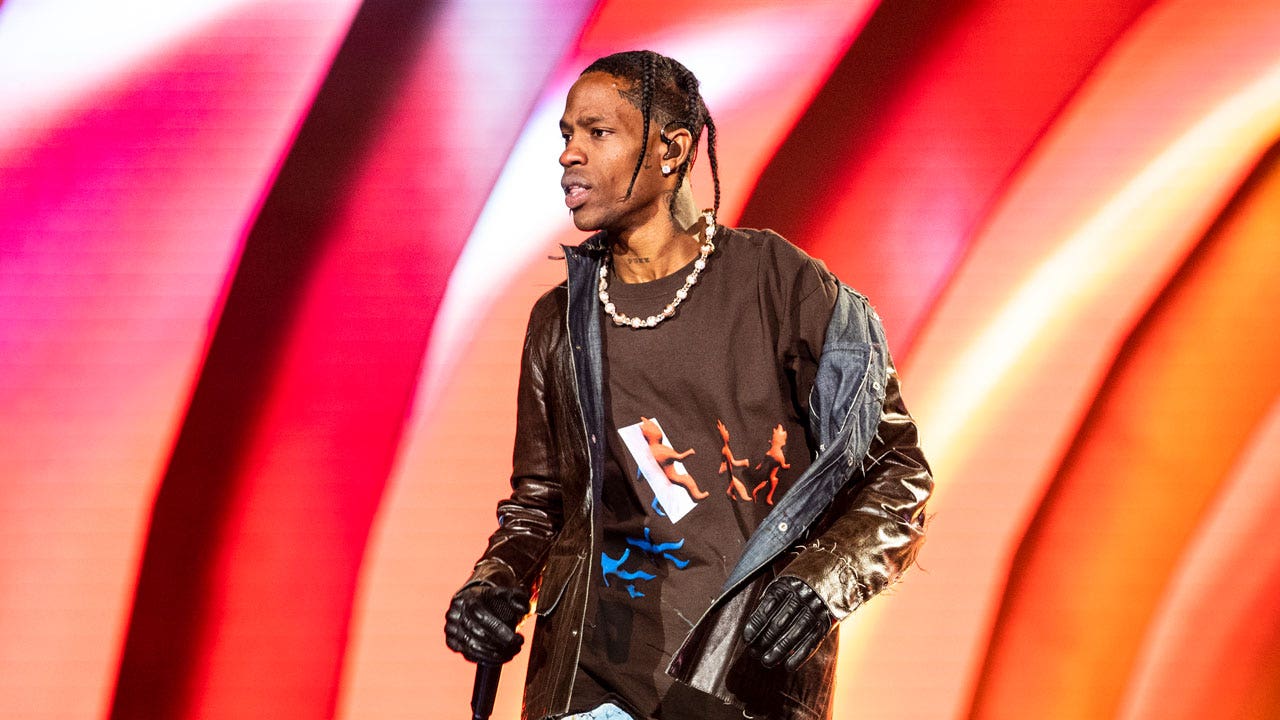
674	499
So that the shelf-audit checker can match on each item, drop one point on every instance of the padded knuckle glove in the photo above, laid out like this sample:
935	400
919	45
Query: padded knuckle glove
788	624
481	621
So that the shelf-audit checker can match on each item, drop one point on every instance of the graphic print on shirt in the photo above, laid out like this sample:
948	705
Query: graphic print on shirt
675	494
613	566
650	553
773	461
730	464
656	550
659	463
766	471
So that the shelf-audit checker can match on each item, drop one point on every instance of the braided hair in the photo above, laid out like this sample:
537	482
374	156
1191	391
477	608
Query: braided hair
667	90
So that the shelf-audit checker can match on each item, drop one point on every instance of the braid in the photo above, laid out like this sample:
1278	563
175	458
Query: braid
687	84
646	109
711	156
673	89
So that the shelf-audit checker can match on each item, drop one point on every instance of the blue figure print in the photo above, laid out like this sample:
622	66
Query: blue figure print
648	547
656	507
612	566
633	592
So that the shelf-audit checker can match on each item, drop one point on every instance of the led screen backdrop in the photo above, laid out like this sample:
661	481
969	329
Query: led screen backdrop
265	268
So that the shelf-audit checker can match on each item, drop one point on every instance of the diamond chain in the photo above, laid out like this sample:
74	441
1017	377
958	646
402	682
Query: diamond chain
690	280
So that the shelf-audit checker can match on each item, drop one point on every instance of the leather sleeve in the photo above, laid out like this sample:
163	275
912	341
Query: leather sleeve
530	519
874	528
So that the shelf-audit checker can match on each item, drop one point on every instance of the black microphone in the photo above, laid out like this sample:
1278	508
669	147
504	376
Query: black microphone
486	687
485	690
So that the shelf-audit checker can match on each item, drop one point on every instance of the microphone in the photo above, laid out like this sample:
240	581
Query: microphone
485	690
486	687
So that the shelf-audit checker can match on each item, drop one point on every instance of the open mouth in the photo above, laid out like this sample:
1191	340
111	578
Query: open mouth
575	194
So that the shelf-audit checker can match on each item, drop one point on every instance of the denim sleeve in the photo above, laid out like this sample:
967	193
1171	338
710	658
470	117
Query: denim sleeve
874	528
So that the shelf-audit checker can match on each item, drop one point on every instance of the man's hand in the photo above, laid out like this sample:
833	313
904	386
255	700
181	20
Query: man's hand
481	623
788	623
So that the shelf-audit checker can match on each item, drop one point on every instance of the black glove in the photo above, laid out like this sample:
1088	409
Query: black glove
787	624
481	623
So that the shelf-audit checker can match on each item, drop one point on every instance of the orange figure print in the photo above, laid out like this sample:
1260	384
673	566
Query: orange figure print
774	460
728	465
667	457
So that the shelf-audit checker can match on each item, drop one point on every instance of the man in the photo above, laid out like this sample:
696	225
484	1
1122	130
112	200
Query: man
713	464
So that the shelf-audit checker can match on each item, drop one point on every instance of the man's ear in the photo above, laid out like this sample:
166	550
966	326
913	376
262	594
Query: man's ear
679	142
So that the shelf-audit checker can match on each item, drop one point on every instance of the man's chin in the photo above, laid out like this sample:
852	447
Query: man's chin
584	222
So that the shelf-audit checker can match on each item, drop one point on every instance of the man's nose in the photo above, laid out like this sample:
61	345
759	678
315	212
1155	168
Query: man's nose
571	156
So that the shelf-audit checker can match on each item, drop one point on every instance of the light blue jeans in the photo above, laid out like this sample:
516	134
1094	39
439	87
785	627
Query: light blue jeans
607	711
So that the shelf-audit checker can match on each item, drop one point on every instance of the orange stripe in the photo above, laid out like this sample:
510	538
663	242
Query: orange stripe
1189	387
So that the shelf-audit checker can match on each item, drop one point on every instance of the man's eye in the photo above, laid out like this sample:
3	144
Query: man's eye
599	132
565	138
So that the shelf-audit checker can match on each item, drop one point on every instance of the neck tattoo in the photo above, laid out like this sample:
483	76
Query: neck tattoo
689	281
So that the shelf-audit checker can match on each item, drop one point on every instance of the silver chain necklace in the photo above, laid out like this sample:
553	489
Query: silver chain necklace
637	323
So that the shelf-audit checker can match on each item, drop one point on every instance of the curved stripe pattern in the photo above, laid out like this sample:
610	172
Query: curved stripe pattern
266	267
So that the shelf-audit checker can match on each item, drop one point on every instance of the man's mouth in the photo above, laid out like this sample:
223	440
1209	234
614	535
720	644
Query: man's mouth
575	193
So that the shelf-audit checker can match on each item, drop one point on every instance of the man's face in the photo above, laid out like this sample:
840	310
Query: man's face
602	140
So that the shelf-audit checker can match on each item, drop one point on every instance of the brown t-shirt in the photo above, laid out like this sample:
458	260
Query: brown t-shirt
679	501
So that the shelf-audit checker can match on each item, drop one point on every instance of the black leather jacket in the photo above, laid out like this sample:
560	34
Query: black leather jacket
848	527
